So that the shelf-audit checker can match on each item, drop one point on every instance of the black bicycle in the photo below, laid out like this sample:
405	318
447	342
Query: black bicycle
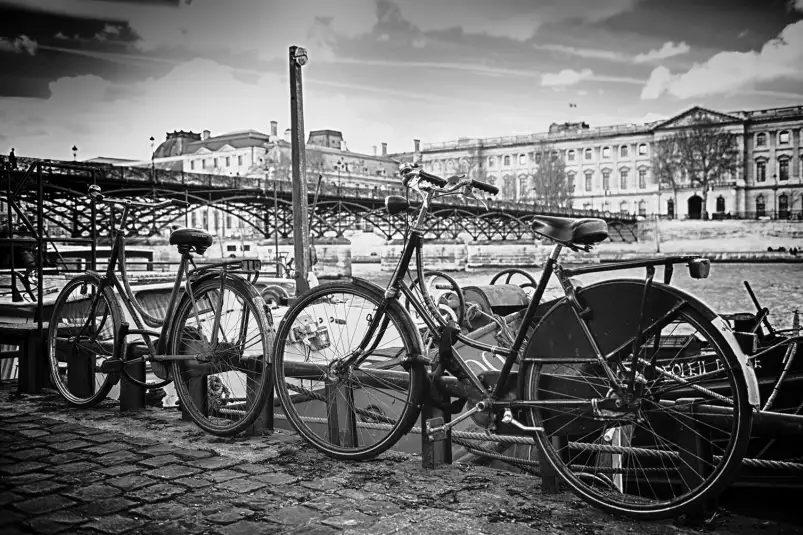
635	392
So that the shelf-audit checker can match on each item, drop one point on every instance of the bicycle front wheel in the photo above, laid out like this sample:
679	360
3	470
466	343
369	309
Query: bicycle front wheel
350	412
83	333
673	447
226	336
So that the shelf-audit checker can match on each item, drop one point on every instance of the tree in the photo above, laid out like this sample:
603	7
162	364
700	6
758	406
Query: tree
550	180
699	155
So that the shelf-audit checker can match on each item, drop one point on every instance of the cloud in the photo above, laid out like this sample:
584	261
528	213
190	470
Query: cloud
667	51
796	4
18	45
589	53
729	72
565	77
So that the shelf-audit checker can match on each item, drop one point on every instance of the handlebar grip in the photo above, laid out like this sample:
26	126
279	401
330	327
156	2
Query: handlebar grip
179	204
493	190
435	179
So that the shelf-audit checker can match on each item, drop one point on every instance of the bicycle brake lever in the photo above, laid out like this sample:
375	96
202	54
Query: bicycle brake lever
469	194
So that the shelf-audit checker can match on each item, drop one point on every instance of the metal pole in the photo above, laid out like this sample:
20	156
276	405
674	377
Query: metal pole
298	58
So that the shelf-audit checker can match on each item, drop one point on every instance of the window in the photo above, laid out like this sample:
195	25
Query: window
783	169
570	155
642	208
589	177
721	204
623	151
507	161
571	176
229	221
761	171
642	178
491	161
228	161
193	220
670	208
203	163
554	155
606	206
588	154
538	158
784	138
761	140
761	207
192	165
606	180
239	160
606	152
642	149
783	206
230	248
623	173
247	247
215	164
522	159
623	207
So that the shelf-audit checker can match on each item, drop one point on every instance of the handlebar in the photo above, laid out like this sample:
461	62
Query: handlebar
97	196
410	171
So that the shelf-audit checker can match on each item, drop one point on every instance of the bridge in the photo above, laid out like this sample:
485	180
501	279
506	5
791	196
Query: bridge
263	206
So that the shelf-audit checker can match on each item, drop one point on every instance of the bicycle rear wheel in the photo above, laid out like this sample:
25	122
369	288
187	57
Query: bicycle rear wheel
352	413
675	447
83	332
224	324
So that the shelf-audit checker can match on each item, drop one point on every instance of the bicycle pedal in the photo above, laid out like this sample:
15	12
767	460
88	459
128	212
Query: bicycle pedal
435	429
111	366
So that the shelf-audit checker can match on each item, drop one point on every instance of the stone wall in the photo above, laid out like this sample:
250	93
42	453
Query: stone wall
720	236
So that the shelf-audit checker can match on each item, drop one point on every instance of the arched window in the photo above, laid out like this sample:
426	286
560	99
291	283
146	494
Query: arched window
642	178
570	176
606	152
522	159
783	168
761	207
784	137
589	179
721	204
623	207
761	140
606	179
642	208
491	161
589	154
642	149
570	155
761	170
783	206
624	151
623	173
507	161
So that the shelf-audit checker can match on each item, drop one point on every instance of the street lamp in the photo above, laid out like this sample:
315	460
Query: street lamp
341	165
775	194
74	153
153	165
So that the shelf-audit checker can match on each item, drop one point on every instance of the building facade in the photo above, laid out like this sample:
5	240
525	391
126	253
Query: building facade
611	168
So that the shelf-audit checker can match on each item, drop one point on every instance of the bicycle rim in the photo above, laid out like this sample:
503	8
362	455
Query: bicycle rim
674	451
81	335
354	413
224	389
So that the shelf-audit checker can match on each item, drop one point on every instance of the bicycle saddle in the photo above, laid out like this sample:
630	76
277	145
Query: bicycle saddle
567	230
193	237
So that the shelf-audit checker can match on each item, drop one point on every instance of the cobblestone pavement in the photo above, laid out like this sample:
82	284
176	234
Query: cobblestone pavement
102	471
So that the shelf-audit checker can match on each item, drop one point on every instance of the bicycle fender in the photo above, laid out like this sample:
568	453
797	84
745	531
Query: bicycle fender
615	306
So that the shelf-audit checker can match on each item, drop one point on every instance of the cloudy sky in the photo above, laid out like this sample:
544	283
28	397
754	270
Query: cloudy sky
106	75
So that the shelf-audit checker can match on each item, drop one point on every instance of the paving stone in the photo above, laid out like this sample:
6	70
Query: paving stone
214	463
58	438
118	470
35	488
171	472
220	476
33	433
242	486
66	427
157	450
8	517
108	447
294	515
229	515
276	478
56	522
321	484
31	454
162	511
350	519
155	493
65	458
254	469
140	443
313	529
118	457
71	445
8	497
73	468
188	527
115	524
44	504
161	460
194	454
131	482
21	479
17	468
96	491
247	527
193	482
105	507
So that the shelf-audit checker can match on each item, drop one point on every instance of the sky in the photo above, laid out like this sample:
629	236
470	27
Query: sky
106	75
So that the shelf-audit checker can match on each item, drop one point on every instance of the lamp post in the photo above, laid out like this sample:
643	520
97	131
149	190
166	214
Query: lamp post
153	165
74	153
775	195
341	165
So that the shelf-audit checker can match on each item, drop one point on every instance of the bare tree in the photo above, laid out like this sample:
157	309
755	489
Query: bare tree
550	180
700	155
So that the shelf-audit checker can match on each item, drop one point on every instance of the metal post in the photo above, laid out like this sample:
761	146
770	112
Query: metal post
298	58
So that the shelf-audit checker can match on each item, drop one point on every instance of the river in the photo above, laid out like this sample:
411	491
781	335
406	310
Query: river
778	287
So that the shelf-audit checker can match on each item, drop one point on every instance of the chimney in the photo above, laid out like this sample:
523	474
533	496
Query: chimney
342	145
384	149
274	128
417	145
374	150
205	135
288	135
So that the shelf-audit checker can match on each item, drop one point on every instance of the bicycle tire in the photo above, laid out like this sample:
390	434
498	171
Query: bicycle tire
359	413
75	354
227	324
610	460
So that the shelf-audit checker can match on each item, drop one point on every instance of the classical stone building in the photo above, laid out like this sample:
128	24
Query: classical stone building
610	167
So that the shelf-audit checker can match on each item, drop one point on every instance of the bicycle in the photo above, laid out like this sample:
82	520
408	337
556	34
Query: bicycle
213	341
637	395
